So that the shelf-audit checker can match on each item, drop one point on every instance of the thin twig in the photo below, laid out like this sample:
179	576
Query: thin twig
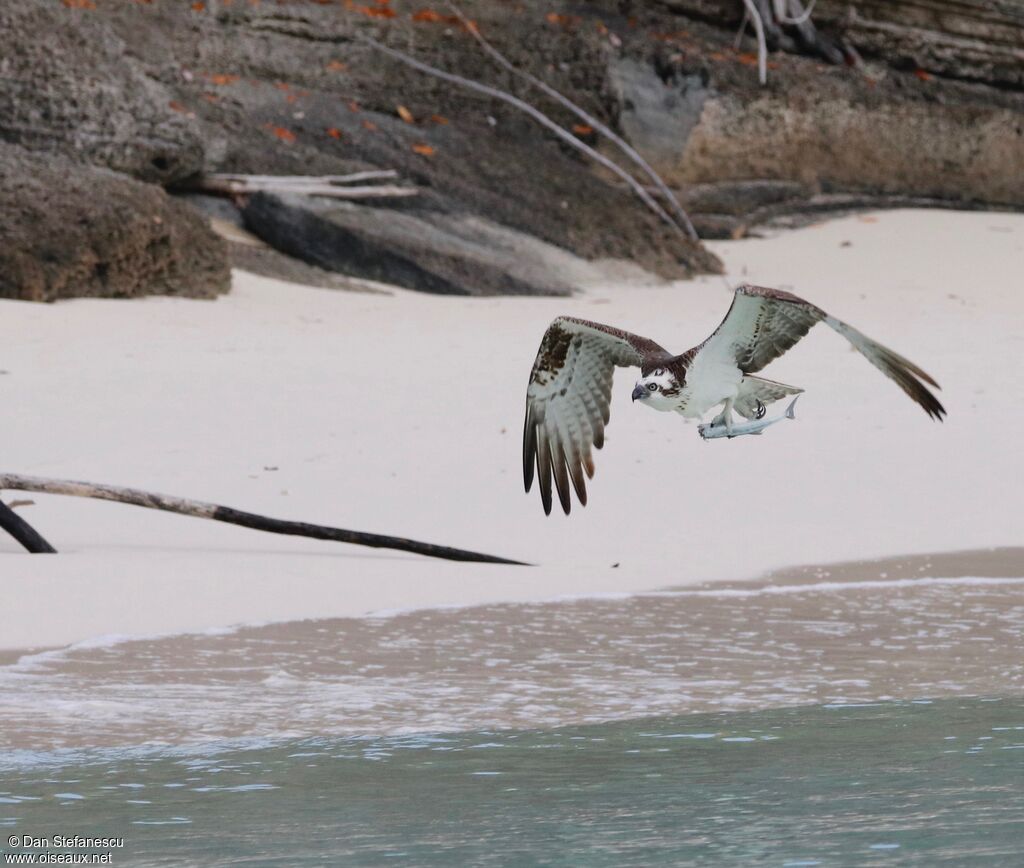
762	44
538	116
796	15
742	31
584	115
199	509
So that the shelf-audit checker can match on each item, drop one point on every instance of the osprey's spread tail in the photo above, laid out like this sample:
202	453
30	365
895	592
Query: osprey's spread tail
755	391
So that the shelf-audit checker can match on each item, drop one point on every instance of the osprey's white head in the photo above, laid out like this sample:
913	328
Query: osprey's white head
658	389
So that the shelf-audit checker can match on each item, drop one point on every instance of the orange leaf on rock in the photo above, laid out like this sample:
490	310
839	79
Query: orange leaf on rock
429	16
336	66
562	20
376	11
921	74
285	135
405	114
369	125
198	7
222	80
424	149
79	4
334	132
439	119
582	129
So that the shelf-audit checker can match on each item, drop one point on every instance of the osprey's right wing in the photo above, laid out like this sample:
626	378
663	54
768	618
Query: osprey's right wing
567	401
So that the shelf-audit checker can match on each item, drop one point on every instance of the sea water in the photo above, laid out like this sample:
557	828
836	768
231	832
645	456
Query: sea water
905	783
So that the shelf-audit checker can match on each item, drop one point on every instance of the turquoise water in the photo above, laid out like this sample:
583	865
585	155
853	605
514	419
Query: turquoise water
926	783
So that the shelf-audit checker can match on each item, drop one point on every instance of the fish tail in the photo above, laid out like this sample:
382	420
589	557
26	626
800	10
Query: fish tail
790	410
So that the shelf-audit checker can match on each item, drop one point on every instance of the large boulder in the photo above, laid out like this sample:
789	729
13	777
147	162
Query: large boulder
418	248
72	230
70	85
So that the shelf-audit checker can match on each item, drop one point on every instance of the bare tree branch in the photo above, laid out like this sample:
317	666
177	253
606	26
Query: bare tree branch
762	45
538	116
581	113
199	509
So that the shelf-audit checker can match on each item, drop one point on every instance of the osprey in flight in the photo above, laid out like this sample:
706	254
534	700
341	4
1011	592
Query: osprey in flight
567	401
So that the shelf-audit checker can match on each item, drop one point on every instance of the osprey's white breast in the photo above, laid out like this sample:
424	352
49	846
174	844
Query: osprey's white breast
709	382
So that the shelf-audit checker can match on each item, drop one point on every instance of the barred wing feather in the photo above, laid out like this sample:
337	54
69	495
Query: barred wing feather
568	398
764	323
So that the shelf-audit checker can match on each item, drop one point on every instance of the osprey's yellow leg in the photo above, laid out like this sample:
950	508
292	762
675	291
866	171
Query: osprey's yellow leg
725	417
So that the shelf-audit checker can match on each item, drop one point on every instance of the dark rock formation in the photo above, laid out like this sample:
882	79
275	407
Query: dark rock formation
417	248
69	85
73	230
163	90
971	40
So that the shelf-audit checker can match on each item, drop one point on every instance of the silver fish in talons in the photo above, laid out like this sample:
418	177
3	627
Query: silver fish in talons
713	432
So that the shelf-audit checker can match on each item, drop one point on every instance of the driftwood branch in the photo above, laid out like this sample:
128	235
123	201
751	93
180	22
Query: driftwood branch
499	58
352	178
332	186
31	540
538	116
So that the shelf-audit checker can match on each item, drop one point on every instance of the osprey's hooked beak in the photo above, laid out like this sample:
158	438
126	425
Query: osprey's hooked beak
639	392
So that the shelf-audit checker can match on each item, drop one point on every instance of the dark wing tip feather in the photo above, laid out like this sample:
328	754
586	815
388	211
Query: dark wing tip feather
529	448
544	473
908	376
561	477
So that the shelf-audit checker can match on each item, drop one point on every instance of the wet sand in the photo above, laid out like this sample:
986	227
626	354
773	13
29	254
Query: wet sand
903	628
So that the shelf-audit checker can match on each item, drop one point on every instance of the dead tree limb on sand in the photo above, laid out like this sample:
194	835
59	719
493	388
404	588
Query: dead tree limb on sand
34	543
538	116
23	532
681	216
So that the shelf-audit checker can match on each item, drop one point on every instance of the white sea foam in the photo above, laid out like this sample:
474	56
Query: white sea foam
587	659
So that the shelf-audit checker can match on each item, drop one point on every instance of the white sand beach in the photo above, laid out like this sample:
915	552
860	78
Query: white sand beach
402	414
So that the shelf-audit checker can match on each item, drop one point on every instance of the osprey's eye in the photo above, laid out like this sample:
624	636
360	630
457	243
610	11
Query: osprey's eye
652	387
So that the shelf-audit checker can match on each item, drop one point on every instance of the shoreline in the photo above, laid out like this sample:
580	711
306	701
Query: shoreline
948	625
992	563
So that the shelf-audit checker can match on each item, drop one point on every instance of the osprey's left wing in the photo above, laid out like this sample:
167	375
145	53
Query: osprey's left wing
567	401
763	323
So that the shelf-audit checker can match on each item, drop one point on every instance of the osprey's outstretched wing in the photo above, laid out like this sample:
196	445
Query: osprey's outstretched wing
763	323
567	401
